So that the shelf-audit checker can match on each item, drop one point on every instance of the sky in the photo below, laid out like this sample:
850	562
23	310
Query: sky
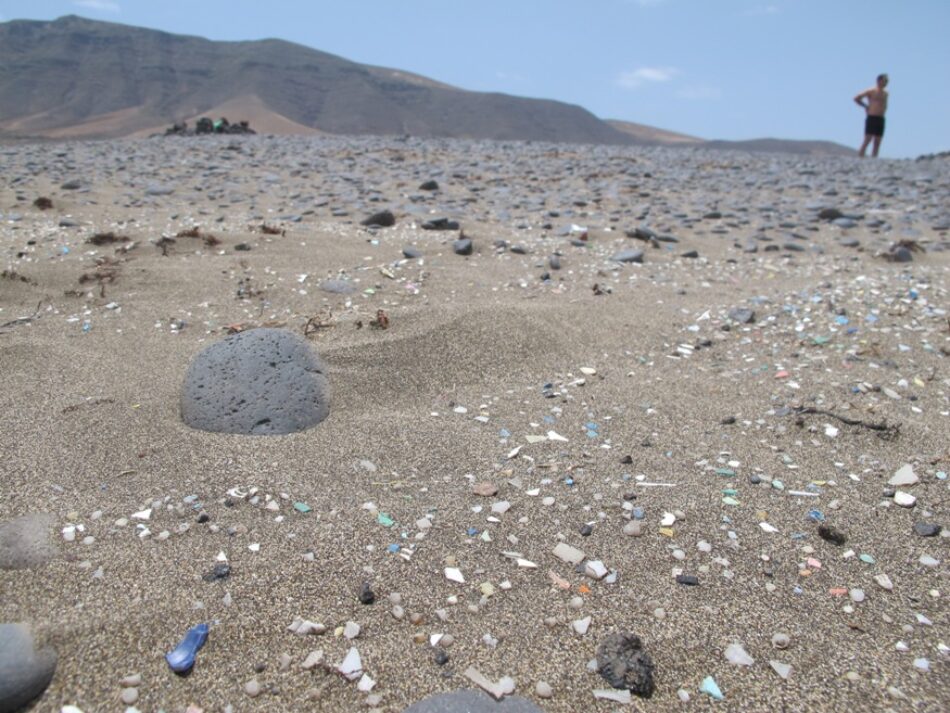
716	69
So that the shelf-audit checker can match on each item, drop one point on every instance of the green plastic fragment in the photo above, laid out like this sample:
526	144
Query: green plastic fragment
384	520
730	501
302	507
730	491
778	485
821	340
867	559
728	472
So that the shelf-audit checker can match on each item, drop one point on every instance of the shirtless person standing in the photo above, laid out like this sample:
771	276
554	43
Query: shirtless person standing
874	102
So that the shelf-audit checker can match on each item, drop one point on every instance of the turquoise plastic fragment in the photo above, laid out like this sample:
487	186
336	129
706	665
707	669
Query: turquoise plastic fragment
710	687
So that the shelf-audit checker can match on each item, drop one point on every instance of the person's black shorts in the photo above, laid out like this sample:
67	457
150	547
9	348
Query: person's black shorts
874	126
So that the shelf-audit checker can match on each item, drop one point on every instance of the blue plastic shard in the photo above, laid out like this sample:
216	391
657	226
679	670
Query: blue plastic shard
710	686
182	657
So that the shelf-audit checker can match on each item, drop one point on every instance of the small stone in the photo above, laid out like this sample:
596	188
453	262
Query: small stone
884	582
904	499
133	681
595	569
314	659
688	580
543	690
252	688
628	256
366	595
351	630
566	553
633	528
856	595
485	488
924	529
830	534
463	246
129	695
780	640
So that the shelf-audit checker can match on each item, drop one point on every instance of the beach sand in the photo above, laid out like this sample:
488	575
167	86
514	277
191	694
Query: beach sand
638	367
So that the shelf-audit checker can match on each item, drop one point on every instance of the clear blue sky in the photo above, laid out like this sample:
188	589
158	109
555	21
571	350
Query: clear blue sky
728	69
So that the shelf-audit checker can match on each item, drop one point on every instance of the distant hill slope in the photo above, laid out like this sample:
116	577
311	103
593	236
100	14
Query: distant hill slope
652	135
79	77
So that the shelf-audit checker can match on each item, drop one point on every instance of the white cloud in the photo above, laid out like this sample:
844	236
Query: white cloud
700	93
763	10
641	75
101	5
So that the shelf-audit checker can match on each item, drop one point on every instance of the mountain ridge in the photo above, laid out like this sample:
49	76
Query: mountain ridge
79	78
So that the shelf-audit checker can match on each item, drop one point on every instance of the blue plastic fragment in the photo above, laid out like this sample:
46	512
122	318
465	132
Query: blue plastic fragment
393	548
472	531
182	657
638	513
569	481
816	516
505	433
591	426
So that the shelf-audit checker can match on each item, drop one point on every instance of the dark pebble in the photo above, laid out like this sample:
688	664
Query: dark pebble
690	580
220	571
429	186
586	530
411	252
440	224
728	420
623	663
367	595
441	657
830	534
463	246
925	529
383	219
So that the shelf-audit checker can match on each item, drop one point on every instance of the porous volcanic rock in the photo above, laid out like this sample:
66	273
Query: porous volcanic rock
258	382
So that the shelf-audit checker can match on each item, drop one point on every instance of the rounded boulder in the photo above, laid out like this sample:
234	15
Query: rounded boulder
258	382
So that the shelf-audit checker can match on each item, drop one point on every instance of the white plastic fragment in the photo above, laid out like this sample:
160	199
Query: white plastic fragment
504	687
608	694
737	655
566	553
782	669
905	475
454	574
352	666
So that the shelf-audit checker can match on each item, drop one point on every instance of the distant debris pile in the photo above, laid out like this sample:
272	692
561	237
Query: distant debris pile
204	125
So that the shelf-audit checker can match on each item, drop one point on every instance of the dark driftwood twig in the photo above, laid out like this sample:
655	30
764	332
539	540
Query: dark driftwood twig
22	320
883	428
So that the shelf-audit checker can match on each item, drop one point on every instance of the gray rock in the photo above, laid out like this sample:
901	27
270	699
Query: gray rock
628	256
554	262
24	672
901	254
383	219
463	246
338	287
429	186
73	185
926	529
155	189
411	252
258	382
440	224
624	664
742	315
25	542
472	701
844	222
